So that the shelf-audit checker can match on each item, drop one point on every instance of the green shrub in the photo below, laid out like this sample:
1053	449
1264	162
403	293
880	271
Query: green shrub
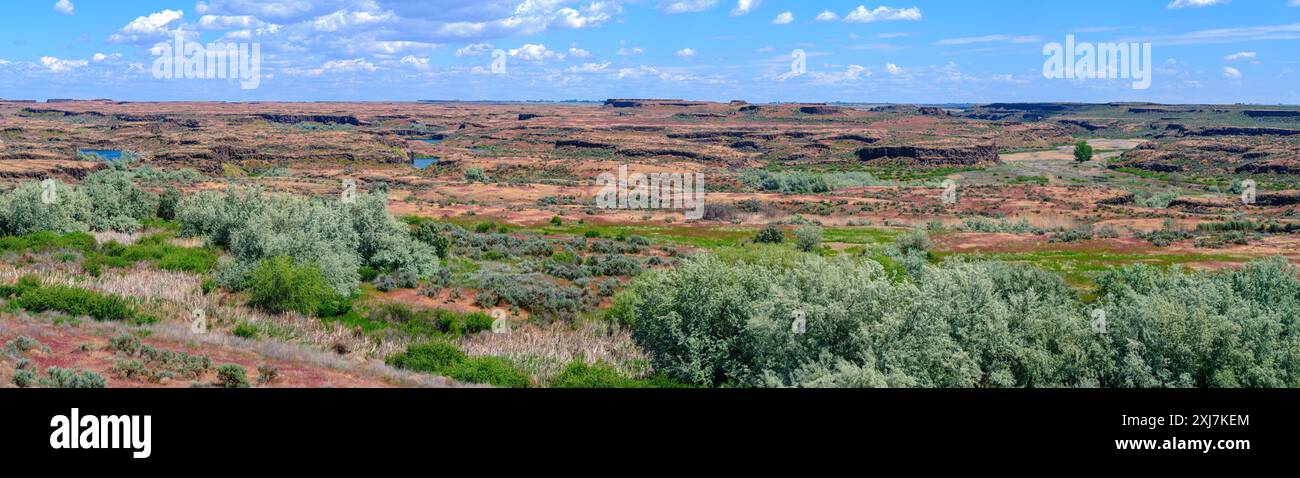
432	357
496	371
76	302
578	374
770	234
232	376
126	343
279	285
916	240
24	378
246	330
808	238
56	377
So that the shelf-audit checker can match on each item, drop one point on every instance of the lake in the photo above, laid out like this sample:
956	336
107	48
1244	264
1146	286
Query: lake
421	163
104	154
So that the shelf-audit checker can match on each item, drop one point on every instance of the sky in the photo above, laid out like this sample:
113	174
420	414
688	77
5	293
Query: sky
1202	51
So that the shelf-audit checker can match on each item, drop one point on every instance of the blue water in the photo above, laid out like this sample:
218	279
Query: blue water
432	140
104	154
421	163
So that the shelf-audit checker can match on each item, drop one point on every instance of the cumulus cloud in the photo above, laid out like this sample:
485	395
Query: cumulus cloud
1177	4
102	58
630	51
588	68
65	7
579	53
229	22
686	52
785	18
827	16
474	49
686	6
1231	73
415	62
61	66
744	6
147	28
535	52
882	14
893	69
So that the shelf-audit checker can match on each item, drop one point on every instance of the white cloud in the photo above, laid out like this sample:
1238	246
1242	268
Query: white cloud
686	52
102	58
637	72
65	7
827	16
990	39
882	14
1245	55
1176	4
152	27
229	22
417	63
687	6
1231	73
588	68
893	69
744	6
579	53
785	18
354	65
61	66
632	51
1226	35
535	52
474	49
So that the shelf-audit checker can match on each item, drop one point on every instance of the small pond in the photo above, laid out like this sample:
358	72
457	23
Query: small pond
104	154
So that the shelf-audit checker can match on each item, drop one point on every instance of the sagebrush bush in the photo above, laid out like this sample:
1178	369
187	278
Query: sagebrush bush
337	237
770	234
232	376
717	321
22	210
808	238
56	377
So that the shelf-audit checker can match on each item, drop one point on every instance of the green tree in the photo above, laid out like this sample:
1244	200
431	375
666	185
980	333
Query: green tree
1082	152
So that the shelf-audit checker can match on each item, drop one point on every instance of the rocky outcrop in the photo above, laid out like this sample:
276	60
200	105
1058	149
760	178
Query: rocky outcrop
1241	131
577	143
1270	167
637	152
933	155
324	119
1271	114
820	110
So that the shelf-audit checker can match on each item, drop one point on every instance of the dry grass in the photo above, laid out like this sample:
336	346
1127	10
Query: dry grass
124	238
543	351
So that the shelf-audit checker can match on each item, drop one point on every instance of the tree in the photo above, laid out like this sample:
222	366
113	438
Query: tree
1082	152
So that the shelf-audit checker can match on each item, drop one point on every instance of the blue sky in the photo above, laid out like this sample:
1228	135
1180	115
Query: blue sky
1203	51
